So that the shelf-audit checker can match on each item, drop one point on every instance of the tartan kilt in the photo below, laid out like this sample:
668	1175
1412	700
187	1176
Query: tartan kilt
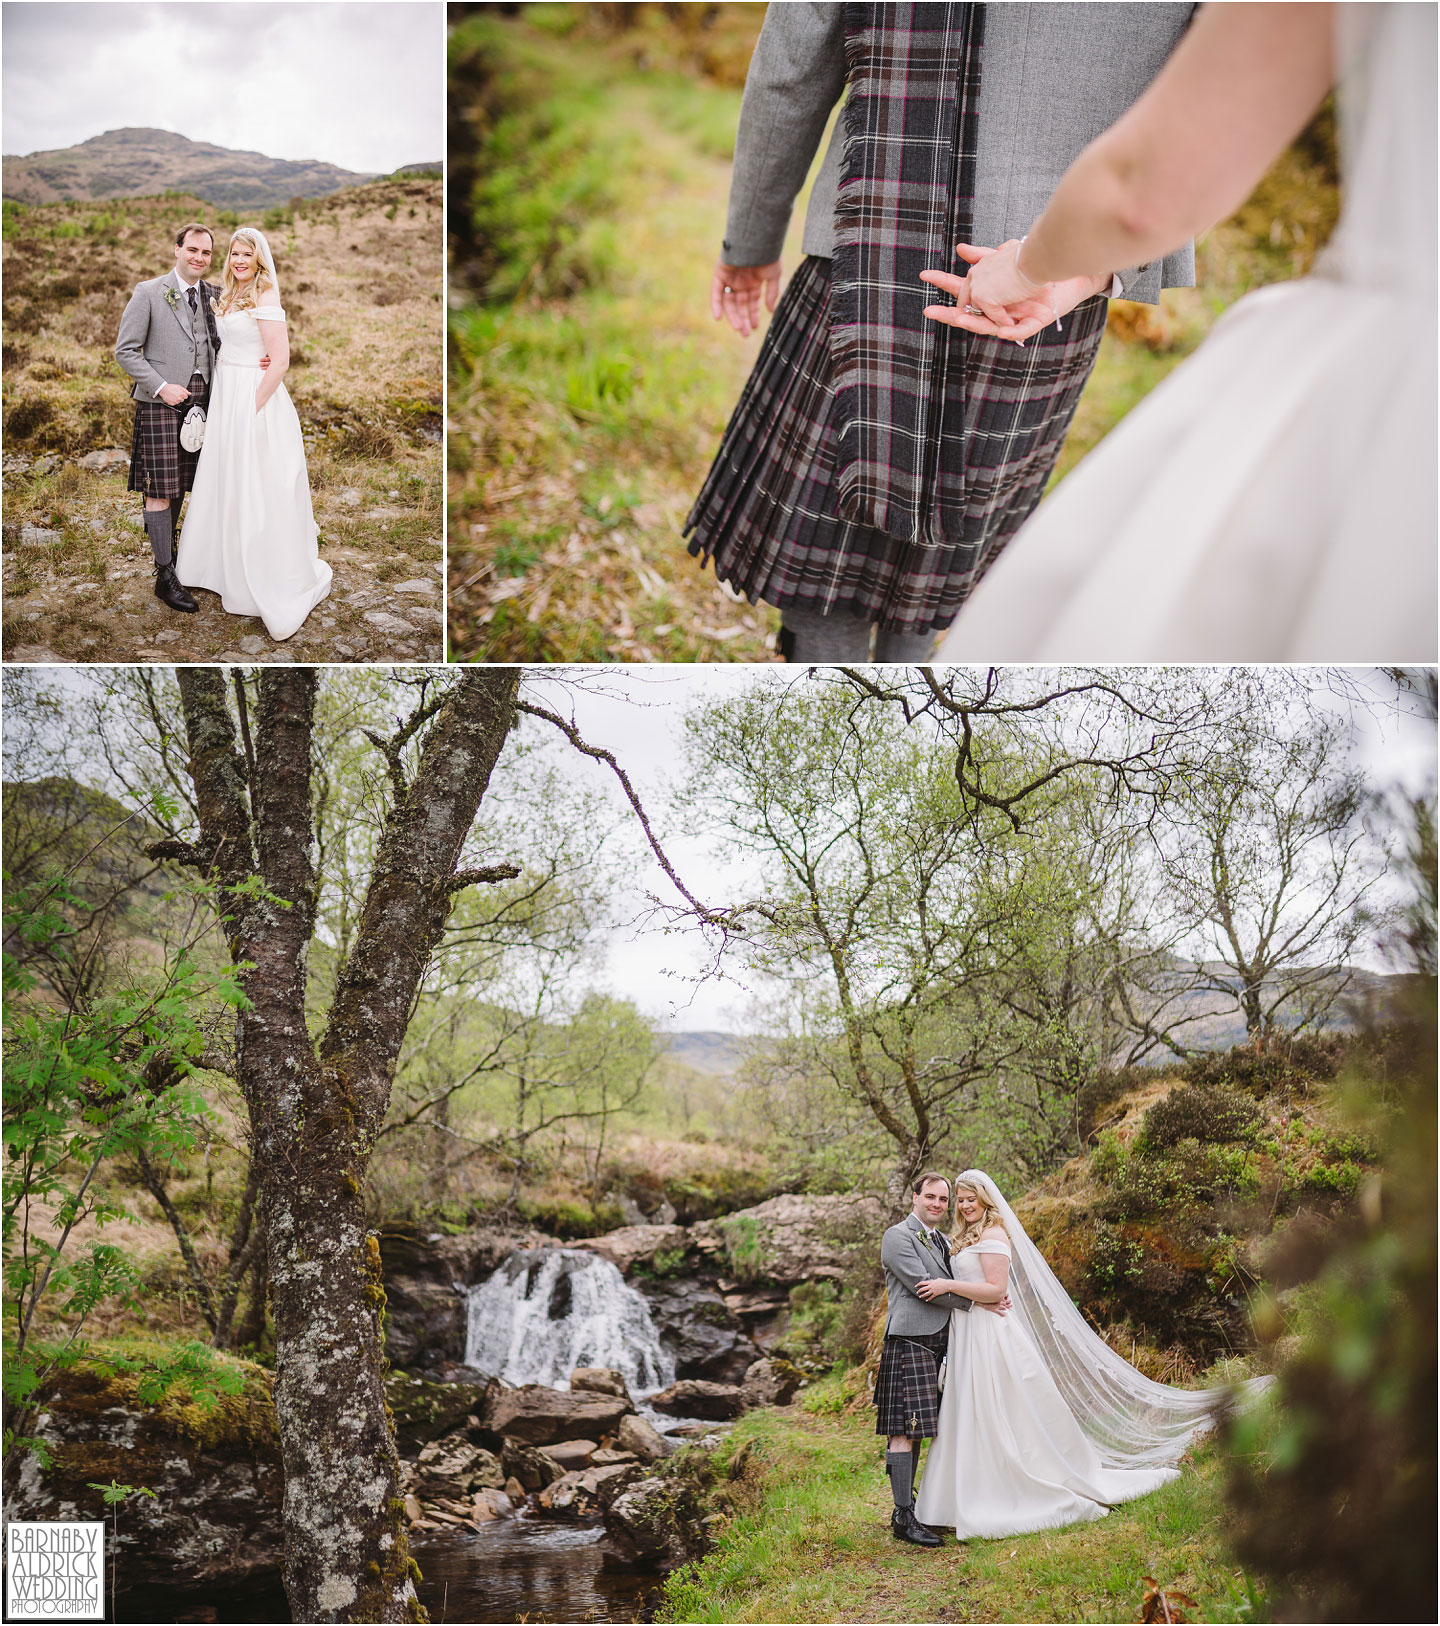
768	516
907	1396
159	465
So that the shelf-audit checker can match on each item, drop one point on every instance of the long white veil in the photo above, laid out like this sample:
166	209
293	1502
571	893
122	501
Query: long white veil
1132	1421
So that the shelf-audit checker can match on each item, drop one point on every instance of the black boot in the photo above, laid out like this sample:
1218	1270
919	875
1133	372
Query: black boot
169	591
904	1526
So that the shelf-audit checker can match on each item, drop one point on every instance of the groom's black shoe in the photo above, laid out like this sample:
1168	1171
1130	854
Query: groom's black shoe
904	1526
169	591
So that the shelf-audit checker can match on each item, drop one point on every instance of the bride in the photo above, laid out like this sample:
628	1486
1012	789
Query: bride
1274	498
250	534
1041	1422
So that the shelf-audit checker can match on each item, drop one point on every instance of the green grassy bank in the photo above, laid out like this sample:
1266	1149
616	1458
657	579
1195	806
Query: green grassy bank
807	1538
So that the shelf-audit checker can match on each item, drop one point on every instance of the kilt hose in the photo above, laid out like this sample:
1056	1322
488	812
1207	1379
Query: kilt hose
768	516
907	1394
159	465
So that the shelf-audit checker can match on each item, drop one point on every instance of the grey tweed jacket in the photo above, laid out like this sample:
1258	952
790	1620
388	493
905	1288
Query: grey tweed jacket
908	1260
1054	77
158	343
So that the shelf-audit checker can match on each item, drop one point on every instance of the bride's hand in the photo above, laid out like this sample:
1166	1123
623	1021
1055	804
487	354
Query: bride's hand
933	1288
1024	317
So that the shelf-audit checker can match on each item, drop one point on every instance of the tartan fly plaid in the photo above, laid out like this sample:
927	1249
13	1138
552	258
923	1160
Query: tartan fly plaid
159	465
905	198
907	1386
769	516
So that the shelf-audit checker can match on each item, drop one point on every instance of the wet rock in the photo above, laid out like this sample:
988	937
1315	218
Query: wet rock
426	1411
636	1435
633	1245
532	1468
217	1483
454	1466
110	457
720	1402
577	1495
542	1416
515	1490
771	1382
600	1380
701	1334
792	1239
648	1524
610	1456
570	1456
493	1504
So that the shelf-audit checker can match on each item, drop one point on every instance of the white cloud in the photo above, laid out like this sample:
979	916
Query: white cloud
355	84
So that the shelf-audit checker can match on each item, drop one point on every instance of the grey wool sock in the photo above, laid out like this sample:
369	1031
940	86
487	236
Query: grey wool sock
900	1465
160	528
807	636
904	648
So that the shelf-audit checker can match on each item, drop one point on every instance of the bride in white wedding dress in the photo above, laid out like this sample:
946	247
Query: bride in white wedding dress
1274	497
250	533
1041	1423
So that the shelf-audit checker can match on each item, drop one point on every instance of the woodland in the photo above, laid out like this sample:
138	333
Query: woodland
293	956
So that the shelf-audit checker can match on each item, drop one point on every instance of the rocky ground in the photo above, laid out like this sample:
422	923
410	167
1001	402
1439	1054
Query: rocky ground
79	584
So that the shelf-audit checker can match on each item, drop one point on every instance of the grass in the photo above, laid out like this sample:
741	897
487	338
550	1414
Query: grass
807	1538
583	357
359	277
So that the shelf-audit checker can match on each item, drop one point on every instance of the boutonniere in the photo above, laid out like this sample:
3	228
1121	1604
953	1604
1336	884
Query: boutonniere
172	299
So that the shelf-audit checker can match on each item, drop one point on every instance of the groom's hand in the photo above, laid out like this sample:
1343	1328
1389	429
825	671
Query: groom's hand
999	1307
736	291
173	394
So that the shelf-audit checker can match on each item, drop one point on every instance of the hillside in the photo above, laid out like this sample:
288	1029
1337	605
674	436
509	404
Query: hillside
361	279
135	162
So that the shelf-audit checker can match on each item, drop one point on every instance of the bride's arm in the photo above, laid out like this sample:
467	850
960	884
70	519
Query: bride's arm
1237	90
277	344
997	1279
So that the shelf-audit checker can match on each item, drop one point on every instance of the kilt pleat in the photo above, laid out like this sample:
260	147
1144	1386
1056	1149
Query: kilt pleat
768	516
907	1396
159	465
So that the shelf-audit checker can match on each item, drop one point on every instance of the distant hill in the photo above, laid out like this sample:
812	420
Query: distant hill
717	1053
141	162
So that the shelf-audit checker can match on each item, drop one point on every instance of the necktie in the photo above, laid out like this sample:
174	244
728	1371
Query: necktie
193	306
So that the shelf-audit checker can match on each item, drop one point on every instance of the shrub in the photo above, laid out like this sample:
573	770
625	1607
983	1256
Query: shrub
1206	1113
1292	1063
1108	1160
1115	1261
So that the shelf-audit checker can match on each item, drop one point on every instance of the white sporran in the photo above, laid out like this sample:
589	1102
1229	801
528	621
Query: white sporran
943	1373
192	430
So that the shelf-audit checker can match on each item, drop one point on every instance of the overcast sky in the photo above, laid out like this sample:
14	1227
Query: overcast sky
358	85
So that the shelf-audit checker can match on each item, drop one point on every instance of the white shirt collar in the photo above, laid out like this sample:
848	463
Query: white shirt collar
181	283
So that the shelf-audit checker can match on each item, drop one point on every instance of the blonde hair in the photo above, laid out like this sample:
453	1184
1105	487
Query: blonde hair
990	1215
234	296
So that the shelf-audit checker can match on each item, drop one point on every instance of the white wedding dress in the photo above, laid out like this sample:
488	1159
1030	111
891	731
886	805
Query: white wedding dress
250	533
1274	498
1041	1423
1008	1456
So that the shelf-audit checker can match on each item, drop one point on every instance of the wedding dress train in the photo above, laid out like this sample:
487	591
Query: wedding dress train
1008	1456
1274	497
1041	1423
250	532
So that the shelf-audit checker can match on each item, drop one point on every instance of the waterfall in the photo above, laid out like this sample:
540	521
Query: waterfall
543	1313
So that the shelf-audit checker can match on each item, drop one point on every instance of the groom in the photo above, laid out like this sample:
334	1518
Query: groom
907	1386
168	334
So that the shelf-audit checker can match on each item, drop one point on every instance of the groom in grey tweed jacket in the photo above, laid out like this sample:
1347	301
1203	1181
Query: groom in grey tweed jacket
168	345
1053	77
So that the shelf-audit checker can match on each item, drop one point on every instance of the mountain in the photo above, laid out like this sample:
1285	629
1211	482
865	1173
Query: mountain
141	162
717	1053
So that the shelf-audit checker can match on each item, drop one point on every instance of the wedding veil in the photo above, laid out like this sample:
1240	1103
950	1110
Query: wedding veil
1132	1421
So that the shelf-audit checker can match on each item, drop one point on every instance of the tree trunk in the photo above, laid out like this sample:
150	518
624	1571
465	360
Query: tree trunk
315	1114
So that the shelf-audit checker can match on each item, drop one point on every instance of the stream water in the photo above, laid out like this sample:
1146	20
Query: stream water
512	1570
